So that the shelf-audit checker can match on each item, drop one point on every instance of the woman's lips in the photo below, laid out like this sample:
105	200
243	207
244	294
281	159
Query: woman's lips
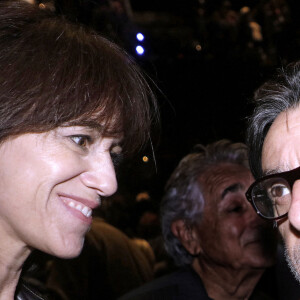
86	211
80	207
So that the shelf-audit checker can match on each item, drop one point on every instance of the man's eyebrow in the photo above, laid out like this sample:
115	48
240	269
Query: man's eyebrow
273	171
232	188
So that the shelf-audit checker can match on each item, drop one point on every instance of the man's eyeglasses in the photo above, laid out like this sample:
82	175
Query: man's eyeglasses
271	195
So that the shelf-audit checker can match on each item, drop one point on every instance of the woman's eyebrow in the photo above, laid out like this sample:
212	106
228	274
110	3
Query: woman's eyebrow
90	124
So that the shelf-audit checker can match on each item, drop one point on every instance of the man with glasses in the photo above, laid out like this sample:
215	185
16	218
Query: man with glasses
211	231
274	145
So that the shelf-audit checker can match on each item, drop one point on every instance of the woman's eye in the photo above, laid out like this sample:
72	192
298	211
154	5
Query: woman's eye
81	140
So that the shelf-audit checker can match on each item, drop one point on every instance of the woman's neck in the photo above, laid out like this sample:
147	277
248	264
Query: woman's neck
224	283
11	262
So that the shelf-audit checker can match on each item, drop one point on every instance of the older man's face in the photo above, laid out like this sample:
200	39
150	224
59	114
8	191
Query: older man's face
281	152
230	233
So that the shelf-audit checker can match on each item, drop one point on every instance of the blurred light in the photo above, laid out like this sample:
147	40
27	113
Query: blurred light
142	196
139	50
140	37
245	10
116	149
198	47
145	159
42	6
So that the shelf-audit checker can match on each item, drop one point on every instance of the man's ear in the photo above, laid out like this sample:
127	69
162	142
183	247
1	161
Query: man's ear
187	236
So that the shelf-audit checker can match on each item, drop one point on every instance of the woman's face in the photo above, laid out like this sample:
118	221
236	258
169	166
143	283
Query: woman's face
49	184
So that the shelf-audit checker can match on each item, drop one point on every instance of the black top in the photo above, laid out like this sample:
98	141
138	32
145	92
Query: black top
186	284
183	284
24	292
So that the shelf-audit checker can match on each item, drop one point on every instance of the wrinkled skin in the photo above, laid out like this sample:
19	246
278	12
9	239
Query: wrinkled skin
231	234
232	245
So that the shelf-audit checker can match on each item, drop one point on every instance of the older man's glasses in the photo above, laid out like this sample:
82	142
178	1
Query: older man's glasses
271	195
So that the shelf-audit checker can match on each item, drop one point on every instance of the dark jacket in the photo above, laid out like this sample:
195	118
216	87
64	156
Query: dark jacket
24	292
183	284
186	284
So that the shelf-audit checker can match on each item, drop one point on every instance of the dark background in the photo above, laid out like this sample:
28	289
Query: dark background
205	61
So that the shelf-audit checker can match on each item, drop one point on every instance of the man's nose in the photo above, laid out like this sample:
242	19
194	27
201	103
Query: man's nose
100	174
294	211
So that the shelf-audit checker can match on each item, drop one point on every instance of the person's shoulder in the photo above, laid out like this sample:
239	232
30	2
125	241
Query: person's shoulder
171	286
154	289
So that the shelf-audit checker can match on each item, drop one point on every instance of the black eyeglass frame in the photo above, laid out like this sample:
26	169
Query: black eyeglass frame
290	176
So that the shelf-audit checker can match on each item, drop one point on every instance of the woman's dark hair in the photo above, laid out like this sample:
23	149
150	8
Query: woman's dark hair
55	73
275	96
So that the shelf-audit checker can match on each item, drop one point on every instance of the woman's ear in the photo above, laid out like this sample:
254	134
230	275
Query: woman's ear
187	236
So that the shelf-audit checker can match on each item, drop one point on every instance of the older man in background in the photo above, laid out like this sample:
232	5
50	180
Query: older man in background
211	230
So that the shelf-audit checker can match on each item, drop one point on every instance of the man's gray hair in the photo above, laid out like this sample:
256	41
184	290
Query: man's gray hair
184	199
274	97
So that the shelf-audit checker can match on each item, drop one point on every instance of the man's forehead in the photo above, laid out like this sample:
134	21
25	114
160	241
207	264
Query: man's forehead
219	176
280	148
288	121
218	171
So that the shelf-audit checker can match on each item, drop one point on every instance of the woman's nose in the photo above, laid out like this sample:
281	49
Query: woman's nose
294	211
101	175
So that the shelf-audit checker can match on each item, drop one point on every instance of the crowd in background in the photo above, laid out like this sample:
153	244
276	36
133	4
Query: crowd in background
264	31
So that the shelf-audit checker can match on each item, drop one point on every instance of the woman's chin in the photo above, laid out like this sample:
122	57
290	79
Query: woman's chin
70	254
65	252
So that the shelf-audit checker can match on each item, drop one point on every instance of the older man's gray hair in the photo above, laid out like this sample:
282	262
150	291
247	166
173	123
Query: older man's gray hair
184	199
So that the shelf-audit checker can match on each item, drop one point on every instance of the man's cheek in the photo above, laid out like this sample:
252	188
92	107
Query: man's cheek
283	226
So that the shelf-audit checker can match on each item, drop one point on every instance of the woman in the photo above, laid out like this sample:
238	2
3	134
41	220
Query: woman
69	102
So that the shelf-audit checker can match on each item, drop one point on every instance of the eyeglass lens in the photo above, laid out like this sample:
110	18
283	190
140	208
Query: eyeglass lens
272	197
